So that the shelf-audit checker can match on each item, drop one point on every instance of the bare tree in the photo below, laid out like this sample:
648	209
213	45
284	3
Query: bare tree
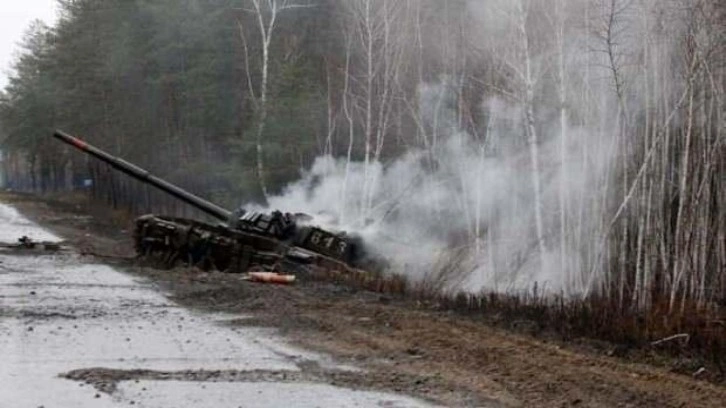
527	78
375	53
266	13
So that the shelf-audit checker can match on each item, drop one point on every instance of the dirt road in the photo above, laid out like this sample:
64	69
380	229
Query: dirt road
403	346
75	333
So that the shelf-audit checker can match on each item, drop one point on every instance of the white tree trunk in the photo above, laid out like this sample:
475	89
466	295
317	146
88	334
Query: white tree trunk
266	15
532	138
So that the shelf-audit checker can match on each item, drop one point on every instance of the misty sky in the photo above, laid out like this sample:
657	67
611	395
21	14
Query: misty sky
15	17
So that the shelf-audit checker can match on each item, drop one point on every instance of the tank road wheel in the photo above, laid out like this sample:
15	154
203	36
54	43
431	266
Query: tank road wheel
167	242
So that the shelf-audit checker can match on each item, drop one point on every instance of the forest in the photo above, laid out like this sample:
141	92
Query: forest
570	147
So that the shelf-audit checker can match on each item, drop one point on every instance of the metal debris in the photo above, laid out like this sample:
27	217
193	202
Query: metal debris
27	243
270	277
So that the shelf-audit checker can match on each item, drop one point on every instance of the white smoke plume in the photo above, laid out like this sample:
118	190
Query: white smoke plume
463	208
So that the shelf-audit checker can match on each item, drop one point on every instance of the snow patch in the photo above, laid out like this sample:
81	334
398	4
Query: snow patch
13	226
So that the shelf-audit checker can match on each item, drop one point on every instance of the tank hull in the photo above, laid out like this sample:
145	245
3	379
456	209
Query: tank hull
172	242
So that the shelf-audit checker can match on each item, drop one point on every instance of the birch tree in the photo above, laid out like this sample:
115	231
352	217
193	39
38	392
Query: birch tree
526	75
266	14
376	42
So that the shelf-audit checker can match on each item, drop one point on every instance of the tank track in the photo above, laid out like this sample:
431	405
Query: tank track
168	242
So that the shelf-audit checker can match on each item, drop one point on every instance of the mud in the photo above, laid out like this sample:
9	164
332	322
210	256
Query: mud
107	380
403	346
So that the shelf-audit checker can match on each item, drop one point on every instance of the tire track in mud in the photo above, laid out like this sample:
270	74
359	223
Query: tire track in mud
522	371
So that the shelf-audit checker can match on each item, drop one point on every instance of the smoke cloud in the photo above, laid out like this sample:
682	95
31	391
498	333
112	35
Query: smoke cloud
462	208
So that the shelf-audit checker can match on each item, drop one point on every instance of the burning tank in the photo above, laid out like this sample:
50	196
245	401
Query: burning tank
241	241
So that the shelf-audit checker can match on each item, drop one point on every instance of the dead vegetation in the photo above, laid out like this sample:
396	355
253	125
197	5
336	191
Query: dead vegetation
692	335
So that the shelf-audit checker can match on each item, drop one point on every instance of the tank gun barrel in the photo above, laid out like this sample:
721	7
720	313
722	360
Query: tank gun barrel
146	177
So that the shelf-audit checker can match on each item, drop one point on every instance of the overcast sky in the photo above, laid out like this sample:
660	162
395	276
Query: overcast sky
15	17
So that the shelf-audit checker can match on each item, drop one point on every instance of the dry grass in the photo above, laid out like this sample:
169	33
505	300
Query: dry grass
691	333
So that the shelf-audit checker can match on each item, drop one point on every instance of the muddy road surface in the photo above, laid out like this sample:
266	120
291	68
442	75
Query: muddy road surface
74	329
76	333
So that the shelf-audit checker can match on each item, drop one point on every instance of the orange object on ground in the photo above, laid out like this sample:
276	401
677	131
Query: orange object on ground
270	277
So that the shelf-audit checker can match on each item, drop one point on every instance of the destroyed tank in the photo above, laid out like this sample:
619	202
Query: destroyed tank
241	241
